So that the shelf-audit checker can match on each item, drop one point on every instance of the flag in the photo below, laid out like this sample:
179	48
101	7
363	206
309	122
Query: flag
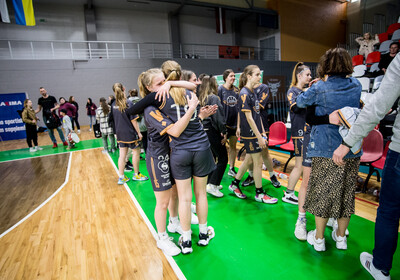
24	12
4	11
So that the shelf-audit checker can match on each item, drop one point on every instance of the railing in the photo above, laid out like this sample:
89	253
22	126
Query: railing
85	50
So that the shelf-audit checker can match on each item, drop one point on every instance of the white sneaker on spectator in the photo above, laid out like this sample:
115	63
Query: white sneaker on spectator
301	230
38	148
366	261
213	190
32	149
341	242
290	198
335	226
174	227
194	220
193	207
318	244
168	246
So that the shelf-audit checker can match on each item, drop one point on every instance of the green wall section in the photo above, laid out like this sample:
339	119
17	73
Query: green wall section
252	240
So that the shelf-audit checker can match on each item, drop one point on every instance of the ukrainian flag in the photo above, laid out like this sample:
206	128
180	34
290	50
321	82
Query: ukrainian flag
24	12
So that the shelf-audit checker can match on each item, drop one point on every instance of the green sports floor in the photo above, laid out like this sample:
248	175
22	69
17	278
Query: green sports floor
253	240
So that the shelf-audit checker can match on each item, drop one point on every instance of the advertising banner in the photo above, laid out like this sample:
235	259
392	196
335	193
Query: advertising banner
11	125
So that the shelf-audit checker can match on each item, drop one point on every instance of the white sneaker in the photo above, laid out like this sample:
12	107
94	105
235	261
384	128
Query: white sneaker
231	172
32	150
219	187
335	226
186	246
79	131
213	190
366	261
341	242
174	227
90	129
205	238
318	244
301	230
194	220
38	148
262	197
330	222
193	207
290	198
168	246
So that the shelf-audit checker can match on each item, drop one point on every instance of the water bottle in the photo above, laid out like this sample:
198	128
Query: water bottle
283	176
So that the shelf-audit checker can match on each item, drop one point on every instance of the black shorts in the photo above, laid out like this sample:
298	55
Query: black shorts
186	164
159	172
251	146
132	145
298	147
306	160
230	132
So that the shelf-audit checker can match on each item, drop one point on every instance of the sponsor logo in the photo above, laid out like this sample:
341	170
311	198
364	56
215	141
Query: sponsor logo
10	103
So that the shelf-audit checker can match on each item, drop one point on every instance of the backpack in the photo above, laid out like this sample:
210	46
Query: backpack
52	121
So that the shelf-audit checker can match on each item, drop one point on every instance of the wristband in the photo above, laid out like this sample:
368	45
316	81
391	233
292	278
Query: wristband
345	144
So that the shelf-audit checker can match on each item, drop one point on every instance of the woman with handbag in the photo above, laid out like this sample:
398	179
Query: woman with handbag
106	131
91	112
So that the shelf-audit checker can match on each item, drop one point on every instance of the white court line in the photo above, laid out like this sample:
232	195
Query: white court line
171	261
66	152
44	203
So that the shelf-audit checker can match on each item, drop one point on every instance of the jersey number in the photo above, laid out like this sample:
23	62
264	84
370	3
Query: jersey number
178	111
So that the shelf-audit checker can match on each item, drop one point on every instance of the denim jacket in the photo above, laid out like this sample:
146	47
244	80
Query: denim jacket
330	95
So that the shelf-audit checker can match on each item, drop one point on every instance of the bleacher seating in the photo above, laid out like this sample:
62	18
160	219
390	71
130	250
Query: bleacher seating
373	58
374	67
359	70
357	60
396	35
383	37
384	47
392	28
377	83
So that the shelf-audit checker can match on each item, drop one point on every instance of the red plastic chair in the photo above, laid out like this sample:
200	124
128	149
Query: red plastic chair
373	58
289	146
358	60
277	134
392	28
372	151
383	37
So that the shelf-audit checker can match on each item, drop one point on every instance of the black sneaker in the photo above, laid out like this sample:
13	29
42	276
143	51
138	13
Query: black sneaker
186	246
275	181
249	181
129	163
128	168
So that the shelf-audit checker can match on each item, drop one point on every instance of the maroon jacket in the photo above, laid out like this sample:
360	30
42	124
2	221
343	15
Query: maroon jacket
71	109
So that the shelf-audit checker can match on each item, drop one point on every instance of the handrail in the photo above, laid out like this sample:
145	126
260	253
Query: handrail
62	49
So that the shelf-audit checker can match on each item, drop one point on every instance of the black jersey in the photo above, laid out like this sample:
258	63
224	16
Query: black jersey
229	99
193	138
262	92
248	101
297	115
157	125
124	129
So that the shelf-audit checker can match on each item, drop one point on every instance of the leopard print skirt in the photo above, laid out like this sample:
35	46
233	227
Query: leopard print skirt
331	189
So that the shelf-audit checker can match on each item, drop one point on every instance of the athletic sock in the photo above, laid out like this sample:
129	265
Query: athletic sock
251	173
271	174
289	191
236	182
302	215
174	220
203	228
260	190
187	235
163	235
232	168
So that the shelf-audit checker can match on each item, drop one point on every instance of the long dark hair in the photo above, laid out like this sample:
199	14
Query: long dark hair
104	106
90	101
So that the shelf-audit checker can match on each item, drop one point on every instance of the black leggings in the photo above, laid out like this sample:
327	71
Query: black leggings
31	134
75	120
220	156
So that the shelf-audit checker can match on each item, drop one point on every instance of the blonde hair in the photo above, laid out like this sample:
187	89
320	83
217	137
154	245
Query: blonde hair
26	103
298	68
120	98
247	71
172	72
145	80
208	86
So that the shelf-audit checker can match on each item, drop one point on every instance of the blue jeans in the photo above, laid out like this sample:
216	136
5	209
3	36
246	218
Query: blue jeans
387	219
51	132
92	120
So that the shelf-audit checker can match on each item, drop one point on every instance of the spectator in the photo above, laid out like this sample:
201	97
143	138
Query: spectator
331	189
91	112
387	220
106	130
49	104
75	118
70	109
388	57
30	120
367	44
